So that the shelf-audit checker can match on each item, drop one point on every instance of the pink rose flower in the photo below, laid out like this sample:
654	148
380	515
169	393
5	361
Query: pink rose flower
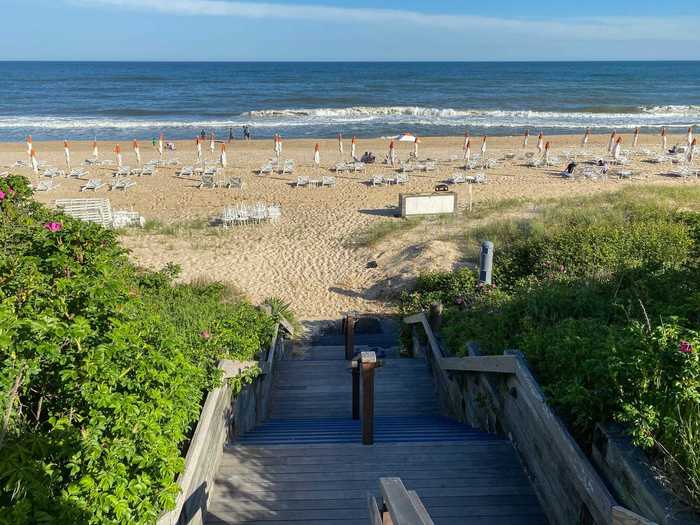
53	226
685	347
2	195
205	335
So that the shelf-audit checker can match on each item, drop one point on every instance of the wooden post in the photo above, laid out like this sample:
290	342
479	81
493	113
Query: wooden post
355	390
368	363
349	337
435	316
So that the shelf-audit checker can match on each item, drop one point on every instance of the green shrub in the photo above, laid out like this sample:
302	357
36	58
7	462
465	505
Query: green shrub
605	304
103	369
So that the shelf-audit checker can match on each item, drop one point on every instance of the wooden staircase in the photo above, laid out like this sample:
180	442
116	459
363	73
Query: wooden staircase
306	464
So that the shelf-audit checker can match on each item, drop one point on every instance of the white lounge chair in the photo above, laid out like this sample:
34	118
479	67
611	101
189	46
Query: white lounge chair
358	166
78	173
302	181
341	167
328	181
122	184
123	171
53	172
91	210
288	167
234	182
46	185
457	178
92	184
207	180
274	213
186	172
377	180
479	178
267	169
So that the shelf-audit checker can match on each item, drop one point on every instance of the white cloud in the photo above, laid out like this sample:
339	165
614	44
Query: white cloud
619	28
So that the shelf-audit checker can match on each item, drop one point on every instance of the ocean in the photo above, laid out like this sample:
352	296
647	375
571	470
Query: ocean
124	100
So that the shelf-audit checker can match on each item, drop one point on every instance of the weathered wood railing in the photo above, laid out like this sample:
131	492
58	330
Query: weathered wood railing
500	394
223	416
397	506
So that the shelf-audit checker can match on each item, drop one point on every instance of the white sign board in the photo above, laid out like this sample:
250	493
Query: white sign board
427	203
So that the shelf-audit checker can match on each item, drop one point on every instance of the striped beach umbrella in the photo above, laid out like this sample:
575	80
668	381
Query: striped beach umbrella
540	142
66	153
586	137
317	155
32	158
340	144
617	148
95	151
664	140
483	147
691	150
392	153
198	144
353	147
137	152
526	138
415	147
160	146
690	135
118	153
222	157
636	138
212	143
466	139
29	145
611	141
467	151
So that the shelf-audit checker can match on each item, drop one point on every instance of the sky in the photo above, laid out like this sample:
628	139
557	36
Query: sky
334	30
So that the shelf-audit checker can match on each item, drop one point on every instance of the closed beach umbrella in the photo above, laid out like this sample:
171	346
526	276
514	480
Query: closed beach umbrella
137	152
415	147
198	143
586	137
617	148
160	146
540	142
275	146
118	153
212	144
691	150
526	138
636	138
690	135
546	153
279	143
611	141
664	140
467	151
353	147
340	144
66	152
29	145
317	155
95	151
392	153
466	139
222	158
35	164
483	147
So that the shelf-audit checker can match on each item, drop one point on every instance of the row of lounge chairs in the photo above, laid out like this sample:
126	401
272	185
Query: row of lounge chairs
272	166
381	180
354	166
324	182
414	165
460	178
250	214
100	212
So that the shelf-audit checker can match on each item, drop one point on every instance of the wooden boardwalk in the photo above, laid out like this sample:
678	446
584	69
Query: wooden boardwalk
306	465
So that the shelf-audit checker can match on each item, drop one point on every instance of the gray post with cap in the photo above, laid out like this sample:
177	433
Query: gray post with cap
486	263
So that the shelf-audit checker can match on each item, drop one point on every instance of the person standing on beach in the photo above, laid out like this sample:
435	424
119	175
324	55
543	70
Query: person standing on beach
230	135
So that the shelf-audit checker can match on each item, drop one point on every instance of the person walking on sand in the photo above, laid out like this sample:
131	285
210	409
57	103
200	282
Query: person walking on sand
230	135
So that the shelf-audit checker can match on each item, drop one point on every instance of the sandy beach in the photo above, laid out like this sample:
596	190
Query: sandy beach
308	258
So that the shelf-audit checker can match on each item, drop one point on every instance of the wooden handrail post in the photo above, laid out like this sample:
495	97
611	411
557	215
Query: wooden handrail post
355	390
369	363
349	337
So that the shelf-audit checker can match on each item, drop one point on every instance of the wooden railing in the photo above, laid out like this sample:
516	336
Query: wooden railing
221	417
397	505
499	393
